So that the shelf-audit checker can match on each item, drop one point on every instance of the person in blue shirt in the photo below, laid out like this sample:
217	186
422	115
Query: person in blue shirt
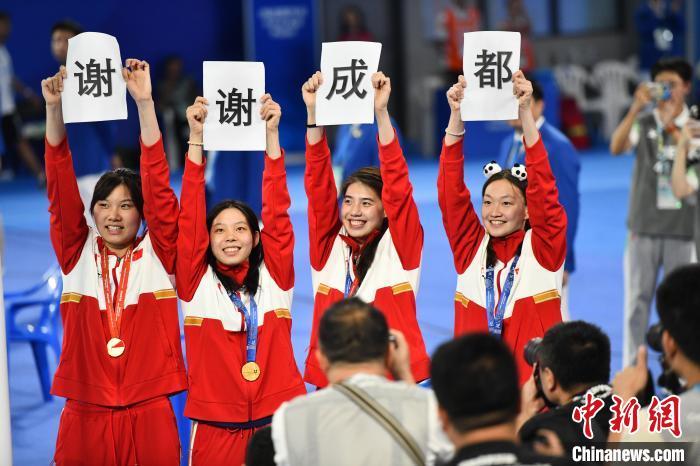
565	166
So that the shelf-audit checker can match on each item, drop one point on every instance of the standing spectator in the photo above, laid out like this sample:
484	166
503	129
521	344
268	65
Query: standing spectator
353	25
519	21
476	384
175	92
9	118
684	185
356	350
458	17
661	28
92	144
565	167
660	226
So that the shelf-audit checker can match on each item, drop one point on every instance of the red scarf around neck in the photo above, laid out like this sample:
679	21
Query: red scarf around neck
506	246
237	273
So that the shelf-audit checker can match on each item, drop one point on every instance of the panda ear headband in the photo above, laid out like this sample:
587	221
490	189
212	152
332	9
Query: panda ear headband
517	170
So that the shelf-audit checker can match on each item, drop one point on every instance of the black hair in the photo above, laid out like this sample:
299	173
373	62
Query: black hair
362	23
261	449
256	254
353	331
677	65
537	93
577	353
372	178
521	185
113	178
4	16
678	304
475	380
67	25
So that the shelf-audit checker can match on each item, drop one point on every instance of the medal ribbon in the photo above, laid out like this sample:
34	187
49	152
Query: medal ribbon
115	313
251	323
495	319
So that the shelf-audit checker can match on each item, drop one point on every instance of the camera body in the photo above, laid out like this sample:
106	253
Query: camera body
659	91
667	379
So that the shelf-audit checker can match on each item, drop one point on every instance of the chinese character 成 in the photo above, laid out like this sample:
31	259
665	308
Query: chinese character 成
340	80
92	76
234	107
492	67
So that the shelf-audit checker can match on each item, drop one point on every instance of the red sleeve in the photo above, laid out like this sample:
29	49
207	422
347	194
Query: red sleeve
69	229
277	235
159	203
397	197
324	220
193	237
464	230
547	216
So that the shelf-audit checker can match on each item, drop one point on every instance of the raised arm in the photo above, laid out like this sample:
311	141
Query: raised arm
324	220
277	233
159	202
193	237
69	228
546	214
397	193
620	139
679	179
464	231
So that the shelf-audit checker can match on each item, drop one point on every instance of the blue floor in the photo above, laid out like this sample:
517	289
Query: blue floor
596	287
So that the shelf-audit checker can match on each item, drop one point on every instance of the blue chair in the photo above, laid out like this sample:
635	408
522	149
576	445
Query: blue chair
43	332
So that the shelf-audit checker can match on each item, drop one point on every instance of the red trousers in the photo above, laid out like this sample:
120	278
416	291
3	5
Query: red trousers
218	446
143	434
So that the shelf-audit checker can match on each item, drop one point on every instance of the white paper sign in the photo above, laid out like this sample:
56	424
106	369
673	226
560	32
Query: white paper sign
490	59
234	89
94	89
346	95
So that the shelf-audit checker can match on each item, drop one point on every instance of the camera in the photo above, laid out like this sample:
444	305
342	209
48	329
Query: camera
659	91
668	379
531	350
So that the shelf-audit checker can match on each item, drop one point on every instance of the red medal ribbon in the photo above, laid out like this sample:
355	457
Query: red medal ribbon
115	313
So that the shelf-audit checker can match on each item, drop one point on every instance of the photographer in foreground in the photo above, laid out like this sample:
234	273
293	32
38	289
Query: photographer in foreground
570	361
678	304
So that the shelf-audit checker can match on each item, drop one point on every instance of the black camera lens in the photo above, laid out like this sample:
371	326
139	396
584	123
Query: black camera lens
531	349
654	337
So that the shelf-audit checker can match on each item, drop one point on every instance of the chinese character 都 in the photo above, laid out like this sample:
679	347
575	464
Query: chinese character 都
665	415
492	66
340	80
234	106
92	76
624	415
587	412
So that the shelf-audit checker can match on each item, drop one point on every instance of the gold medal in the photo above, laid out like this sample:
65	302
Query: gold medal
115	347
250	371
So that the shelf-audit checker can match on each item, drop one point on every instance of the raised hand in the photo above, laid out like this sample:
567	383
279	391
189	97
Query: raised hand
137	74
271	112
382	91
455	94
52	87
309	88
522	89
196	114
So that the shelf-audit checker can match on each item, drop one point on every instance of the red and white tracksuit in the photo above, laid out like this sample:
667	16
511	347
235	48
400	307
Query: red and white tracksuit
117	411
391	283
215	331
534	302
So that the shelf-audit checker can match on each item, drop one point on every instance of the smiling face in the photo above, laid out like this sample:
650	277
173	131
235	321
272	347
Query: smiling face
362	211
231	239
503	209
117	219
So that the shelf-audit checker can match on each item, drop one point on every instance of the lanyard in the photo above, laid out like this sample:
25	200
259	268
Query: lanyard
251	323
350	284
114	313
495	319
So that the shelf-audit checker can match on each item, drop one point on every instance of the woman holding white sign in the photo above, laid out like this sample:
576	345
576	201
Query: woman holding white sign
236	285
121	354
371	247
510	268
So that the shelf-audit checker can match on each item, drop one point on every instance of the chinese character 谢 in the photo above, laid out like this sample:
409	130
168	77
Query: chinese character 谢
665	415
92	76
587	412
492	66
624	415
234	106
340	77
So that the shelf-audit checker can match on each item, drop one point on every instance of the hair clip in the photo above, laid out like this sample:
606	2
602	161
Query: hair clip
491	169
518	171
